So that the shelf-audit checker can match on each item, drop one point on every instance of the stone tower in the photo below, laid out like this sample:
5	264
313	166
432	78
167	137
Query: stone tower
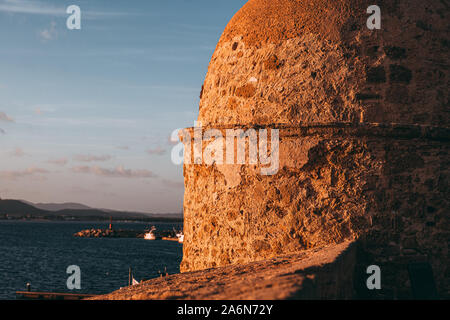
363	119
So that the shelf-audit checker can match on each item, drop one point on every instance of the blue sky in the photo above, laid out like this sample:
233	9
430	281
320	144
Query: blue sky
86	115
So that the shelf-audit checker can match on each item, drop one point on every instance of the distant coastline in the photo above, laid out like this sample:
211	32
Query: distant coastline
24	210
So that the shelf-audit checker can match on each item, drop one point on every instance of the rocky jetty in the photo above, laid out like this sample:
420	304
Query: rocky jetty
108	233
112	233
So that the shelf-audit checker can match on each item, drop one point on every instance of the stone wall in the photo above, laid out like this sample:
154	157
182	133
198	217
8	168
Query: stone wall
364	137
321	273
335	183
316	61
410	210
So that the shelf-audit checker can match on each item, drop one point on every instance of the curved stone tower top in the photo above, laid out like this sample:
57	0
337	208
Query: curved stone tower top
298	62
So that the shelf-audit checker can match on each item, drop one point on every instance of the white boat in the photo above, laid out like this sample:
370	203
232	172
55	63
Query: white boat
180	237
150	235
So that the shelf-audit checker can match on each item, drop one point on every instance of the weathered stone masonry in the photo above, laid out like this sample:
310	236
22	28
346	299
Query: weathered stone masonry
364	137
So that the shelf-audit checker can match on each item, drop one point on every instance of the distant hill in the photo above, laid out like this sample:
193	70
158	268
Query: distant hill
17	209
60	206
99	213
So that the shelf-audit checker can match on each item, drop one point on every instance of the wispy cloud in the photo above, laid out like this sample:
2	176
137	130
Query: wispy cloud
100	122
30	7
49	33
13	174
58	162
156	151
18	152
91	158
35	7
4	117
119	172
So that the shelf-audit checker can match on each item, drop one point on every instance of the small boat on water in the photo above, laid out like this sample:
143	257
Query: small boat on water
180	237
150	235
174	235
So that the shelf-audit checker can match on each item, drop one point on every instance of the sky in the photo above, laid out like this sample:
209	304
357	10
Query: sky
86	115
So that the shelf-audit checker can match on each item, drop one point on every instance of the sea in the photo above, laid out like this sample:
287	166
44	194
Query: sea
39	253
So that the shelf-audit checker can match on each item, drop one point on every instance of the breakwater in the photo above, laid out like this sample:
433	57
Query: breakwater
122	233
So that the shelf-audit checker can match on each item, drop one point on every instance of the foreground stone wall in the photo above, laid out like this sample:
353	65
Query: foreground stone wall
321	273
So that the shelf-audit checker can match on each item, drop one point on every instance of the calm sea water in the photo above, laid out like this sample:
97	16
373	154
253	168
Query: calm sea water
40	252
